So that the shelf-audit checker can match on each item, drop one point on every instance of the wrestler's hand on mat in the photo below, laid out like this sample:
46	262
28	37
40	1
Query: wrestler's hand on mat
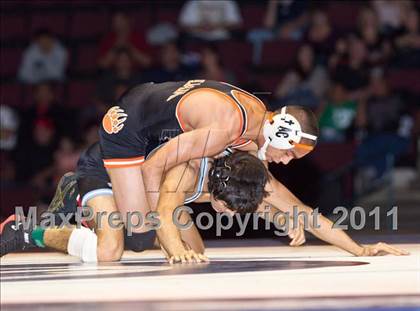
297	235
187	256
380	249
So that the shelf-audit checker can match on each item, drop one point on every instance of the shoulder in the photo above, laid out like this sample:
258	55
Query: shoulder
206	106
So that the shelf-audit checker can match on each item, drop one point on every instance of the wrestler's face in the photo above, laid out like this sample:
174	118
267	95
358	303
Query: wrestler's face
284	156
220	206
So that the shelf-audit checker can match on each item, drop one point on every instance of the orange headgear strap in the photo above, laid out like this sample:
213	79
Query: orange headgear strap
302	146
270	117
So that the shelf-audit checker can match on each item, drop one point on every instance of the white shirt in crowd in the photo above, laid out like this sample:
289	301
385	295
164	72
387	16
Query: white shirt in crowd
39	66
216	15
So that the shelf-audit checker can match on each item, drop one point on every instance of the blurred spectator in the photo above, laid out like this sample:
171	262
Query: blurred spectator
44	59
210	20
381	112
283	19
9	124
94	111
337	115
119	89
122	73
171	67
7	169
386	128
161	34
306	84
407	41
65	159
39	149
212	66
46	106
286	18
378	47
350	67
122	36
390	14
320	36
90	133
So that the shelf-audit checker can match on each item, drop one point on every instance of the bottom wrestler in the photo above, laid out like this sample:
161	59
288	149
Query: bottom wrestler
91	184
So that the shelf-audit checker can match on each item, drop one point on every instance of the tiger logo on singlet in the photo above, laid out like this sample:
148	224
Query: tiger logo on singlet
114	119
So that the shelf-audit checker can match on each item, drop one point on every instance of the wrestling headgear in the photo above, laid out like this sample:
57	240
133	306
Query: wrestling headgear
283	131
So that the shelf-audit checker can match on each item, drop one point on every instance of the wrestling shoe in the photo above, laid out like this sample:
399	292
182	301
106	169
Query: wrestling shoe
12	236
65	197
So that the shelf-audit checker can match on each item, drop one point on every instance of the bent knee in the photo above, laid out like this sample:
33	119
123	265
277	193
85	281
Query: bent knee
110	249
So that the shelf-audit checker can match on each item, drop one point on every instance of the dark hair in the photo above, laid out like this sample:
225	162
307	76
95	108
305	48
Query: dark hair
42	32
307	119
239	180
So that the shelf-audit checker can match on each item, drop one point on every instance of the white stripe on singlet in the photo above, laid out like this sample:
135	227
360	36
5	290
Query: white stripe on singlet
200	184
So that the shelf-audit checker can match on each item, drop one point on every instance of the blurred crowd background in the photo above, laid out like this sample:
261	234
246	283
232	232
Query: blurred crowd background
356	64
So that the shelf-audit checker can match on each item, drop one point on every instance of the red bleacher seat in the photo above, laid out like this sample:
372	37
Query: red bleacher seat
28	96
86	58
11	197
405	80
279	53
331	156
55	22
59	90
10	60
80	93
88	24
141	20
235	55
42	5
268	82
168	16
252	16
10	5
343	15
12	27
10	94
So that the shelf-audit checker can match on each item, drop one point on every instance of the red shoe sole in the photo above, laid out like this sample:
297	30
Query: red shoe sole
8	219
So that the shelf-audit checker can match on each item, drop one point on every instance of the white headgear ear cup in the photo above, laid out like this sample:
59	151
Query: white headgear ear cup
282	133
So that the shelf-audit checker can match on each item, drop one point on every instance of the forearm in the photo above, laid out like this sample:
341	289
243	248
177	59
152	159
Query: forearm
323	229
281	198
172	195
168	234
272	214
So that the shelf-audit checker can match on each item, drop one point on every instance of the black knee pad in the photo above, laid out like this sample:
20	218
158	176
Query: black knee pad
139	242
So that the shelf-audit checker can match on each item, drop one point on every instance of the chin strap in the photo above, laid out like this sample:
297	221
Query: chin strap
261	152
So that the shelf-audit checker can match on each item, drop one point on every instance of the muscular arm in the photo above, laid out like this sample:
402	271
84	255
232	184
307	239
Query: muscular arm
177	184
172	195
207	141
281	198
